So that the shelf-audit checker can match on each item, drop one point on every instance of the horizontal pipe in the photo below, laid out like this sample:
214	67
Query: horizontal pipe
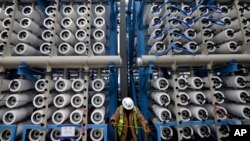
59	62
190	60
17	100
18	85
16	115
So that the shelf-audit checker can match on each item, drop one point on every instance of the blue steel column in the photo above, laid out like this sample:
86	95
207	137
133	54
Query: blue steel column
113	76
141	51
131	18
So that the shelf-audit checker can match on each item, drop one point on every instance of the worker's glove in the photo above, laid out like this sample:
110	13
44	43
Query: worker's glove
113	122
146	129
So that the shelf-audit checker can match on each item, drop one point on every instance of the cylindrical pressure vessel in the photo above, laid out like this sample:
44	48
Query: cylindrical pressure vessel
96	134
98	100
161	98
62	100
163	114
18	85
166	131
160	83
97	116
98	84
15	115
17	100
63	85
235	81
60	116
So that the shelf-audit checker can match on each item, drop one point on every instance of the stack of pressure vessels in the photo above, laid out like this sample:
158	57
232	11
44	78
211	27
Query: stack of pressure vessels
181	29
28	30
185	30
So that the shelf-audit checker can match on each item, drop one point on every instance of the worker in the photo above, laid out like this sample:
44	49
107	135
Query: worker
126	117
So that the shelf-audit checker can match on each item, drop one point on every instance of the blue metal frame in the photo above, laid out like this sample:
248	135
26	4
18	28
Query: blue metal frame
131	19
231	67
54	126
144	73
113	89
113	76
13	129
25	70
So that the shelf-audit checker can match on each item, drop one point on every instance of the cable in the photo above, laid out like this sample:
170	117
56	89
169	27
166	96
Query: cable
159	7
184	24
182	35
199	4
217	21
179	9
161	19
163	32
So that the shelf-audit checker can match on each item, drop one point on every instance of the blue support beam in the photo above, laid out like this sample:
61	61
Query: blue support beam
143	74
131	19
113	76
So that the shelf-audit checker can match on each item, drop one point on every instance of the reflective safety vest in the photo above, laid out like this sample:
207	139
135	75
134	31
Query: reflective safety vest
121	120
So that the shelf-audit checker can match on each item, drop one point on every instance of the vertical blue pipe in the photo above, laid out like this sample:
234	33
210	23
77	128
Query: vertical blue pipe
131	48
113	76
141	51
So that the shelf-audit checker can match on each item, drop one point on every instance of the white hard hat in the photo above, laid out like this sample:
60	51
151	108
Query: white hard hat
127	103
